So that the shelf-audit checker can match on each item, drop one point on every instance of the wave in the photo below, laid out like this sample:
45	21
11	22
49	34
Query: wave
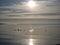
2	23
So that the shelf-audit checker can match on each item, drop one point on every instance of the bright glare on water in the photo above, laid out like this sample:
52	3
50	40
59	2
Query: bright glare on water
30	34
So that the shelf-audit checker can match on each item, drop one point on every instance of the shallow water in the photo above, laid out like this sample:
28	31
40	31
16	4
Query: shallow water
42	34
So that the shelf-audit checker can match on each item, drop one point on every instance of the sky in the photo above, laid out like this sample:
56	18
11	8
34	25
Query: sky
47	9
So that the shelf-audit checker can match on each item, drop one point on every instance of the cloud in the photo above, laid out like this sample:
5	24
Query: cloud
9	2
46	8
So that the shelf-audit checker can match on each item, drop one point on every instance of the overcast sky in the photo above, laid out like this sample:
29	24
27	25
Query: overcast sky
17	9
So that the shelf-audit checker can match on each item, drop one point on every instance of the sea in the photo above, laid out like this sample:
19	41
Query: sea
29	31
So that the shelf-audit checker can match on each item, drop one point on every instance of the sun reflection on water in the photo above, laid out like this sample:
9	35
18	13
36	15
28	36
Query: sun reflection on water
30	41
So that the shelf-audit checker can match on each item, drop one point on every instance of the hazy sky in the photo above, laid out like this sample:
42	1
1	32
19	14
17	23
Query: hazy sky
18	9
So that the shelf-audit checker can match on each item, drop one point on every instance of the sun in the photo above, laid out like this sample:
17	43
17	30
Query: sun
31	4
